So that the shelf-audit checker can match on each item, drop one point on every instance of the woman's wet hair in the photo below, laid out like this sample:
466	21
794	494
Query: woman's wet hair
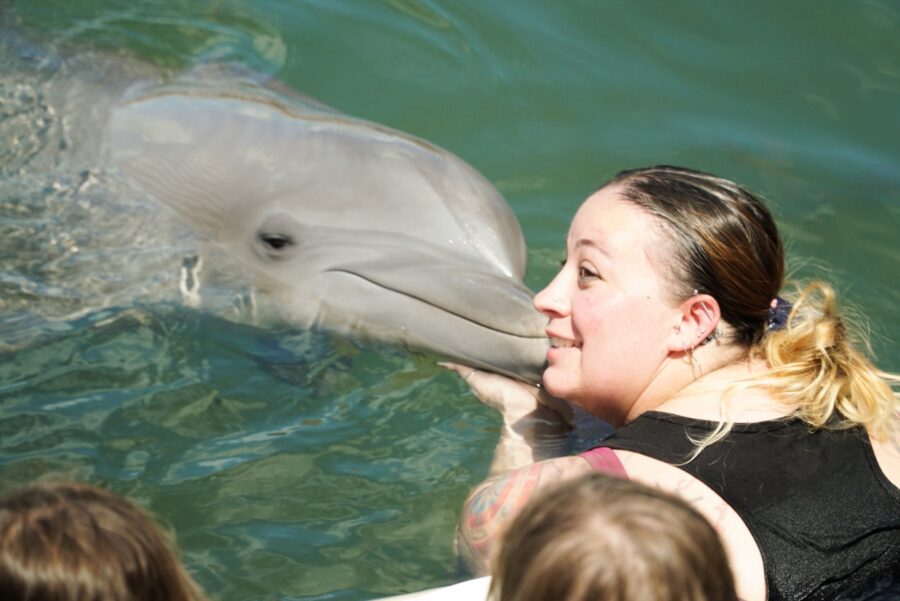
723	241
65	541
601	537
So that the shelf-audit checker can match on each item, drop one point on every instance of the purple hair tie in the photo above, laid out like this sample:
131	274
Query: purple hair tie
779	311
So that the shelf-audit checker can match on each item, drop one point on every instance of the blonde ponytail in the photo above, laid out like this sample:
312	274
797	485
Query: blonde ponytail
816	367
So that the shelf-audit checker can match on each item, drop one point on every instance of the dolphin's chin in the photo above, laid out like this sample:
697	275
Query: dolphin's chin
464	341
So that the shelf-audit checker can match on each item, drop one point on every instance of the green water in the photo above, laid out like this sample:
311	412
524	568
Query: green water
297	465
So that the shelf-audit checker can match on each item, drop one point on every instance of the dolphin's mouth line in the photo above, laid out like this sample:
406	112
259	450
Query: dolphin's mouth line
429	303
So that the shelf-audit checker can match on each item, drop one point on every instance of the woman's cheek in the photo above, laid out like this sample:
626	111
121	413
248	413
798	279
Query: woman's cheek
587	313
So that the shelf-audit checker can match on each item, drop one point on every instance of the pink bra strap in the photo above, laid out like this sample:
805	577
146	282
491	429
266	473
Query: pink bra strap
603	459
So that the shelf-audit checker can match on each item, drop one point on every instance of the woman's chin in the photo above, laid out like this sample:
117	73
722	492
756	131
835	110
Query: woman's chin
558	385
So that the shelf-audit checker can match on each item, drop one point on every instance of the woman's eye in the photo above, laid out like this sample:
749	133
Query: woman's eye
584	273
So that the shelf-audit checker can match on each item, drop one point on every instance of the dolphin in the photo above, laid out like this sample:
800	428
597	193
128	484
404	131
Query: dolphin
340	223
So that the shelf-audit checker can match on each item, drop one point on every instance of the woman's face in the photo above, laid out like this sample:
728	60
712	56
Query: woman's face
610	319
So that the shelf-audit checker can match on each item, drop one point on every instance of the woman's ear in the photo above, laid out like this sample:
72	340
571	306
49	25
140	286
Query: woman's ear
699	318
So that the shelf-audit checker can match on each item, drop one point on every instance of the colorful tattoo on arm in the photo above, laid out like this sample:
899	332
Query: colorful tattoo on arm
494	503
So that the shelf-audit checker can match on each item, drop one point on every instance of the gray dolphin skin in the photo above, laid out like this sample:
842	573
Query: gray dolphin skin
339	223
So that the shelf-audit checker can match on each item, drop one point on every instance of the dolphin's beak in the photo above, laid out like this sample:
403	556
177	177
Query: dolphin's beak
473	317
459	287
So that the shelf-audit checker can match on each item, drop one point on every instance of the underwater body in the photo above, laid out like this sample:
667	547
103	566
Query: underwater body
301	464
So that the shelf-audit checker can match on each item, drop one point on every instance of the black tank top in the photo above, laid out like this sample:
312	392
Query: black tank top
825	517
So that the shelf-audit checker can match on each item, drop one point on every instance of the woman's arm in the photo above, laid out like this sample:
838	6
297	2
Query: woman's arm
498	499
530	453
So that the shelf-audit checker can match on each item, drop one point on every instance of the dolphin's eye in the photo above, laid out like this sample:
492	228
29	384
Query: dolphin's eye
276	241
278	237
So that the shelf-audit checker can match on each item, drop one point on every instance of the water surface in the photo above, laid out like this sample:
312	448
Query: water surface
299	465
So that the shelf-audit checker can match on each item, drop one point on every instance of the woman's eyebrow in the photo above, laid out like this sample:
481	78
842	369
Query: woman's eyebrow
592	244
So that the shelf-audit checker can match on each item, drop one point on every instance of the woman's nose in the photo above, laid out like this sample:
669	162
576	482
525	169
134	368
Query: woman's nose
551	301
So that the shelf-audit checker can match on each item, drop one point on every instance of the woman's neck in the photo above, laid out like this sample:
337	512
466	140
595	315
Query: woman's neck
697	386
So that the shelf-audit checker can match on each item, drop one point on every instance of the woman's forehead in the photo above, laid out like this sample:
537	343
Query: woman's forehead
607	221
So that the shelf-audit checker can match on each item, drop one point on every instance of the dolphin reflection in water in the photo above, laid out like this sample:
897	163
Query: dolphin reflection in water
341	223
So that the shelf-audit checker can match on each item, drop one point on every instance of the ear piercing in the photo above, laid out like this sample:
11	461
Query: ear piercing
714	335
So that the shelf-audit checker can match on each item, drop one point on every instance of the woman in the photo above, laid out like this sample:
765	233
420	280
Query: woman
660	324
66	541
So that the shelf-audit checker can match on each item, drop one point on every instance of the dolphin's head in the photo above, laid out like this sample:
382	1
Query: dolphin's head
342	223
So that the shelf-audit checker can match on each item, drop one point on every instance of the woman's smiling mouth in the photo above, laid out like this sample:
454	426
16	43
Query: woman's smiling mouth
556	342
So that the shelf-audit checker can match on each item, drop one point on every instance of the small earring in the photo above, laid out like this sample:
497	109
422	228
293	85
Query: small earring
714	335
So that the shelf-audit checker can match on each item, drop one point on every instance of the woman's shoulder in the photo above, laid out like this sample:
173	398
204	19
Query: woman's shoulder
743	552
887	454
